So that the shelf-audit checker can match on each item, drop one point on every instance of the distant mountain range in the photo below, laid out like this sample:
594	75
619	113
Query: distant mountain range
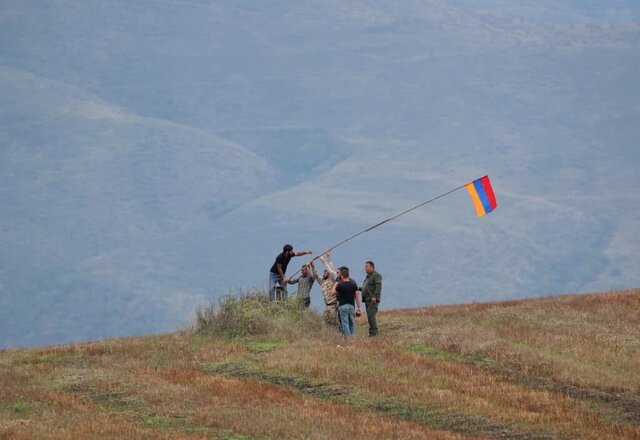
158	154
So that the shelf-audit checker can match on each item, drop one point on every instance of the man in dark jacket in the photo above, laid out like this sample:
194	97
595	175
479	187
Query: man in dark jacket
371	290
277	273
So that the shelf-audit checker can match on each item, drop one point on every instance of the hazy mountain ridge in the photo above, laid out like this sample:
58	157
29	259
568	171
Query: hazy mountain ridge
101	194
185	62
158	154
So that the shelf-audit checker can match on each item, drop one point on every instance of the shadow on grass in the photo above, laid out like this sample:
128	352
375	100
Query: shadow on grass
113	401
117	402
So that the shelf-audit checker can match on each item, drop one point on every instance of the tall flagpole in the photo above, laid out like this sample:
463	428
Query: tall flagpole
383	222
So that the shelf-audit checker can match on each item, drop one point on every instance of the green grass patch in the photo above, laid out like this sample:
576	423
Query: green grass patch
186	425
25	408
245	315
51	358
20	406
158	422
117	401
268	345
436	353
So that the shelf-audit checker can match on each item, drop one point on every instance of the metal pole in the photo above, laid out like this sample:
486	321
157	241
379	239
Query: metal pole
383	222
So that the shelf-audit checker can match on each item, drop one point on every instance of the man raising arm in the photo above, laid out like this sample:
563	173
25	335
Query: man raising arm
277	273
327	281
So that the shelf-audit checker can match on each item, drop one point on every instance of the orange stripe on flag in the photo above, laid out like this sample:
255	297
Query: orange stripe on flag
476	200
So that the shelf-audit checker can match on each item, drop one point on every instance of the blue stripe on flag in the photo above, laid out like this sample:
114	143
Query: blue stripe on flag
483	196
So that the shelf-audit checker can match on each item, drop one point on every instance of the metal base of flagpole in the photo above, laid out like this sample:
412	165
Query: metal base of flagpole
279	293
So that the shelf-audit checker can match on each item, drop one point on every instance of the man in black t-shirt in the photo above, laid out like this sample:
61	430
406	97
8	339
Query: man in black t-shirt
277	273
345	291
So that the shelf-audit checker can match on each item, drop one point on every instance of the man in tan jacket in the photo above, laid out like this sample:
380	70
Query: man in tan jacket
327	281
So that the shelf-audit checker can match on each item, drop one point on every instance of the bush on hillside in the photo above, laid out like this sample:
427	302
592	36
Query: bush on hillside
250	314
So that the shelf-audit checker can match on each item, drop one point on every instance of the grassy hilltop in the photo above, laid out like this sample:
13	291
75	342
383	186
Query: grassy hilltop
561	367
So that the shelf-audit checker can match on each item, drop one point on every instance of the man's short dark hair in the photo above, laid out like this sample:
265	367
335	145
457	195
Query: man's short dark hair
344	271
371	263
287	247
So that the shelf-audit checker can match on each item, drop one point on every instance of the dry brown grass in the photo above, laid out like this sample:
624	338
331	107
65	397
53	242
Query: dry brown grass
378	371
589	341
563	367
153	387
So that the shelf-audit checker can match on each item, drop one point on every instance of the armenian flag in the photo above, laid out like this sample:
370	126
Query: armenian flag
482	195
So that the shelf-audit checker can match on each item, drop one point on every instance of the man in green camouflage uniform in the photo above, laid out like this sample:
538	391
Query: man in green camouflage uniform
371	290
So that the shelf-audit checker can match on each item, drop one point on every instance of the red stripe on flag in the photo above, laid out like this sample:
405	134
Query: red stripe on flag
486	184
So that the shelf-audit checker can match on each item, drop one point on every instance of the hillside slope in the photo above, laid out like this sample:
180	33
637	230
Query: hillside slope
558	367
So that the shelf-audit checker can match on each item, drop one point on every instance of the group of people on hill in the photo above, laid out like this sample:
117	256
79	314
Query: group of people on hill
339	290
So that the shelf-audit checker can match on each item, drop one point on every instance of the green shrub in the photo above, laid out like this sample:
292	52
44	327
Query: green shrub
252	314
